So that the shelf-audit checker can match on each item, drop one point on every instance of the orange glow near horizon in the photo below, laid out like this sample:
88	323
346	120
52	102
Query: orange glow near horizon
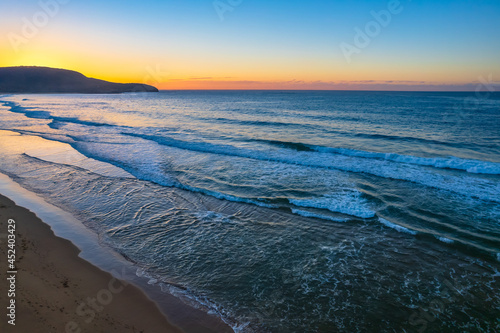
177	73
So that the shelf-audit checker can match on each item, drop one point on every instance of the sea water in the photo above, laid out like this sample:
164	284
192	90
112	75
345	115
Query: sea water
282	211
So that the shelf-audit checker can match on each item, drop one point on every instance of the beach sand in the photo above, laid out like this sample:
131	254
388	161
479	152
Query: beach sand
57	291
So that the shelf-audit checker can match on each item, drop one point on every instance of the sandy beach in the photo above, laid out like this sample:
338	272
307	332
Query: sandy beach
57	291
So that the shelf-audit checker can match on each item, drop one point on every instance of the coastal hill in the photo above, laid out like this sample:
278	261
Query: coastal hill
51	80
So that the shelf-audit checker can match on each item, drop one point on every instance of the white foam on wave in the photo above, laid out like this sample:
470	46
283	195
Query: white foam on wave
319	216
472	166
444	239
396	227
350	203
240	328
224	196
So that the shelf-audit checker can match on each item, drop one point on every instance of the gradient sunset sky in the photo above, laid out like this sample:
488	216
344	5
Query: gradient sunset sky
257	44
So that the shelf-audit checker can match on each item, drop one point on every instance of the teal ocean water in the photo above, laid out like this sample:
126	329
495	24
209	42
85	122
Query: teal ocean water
282	211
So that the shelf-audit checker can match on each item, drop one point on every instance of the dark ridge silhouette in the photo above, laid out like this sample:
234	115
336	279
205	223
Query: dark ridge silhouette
52	80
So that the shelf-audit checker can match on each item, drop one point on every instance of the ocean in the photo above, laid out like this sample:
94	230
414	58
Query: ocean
282	211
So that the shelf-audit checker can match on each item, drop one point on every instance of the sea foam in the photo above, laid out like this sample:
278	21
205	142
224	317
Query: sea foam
396	227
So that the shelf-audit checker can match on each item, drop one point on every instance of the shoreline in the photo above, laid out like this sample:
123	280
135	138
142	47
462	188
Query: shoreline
178	311
58	290
61	266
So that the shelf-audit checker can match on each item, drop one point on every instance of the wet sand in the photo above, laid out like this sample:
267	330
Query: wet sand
57	291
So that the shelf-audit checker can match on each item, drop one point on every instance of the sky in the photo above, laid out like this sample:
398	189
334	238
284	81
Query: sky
261	44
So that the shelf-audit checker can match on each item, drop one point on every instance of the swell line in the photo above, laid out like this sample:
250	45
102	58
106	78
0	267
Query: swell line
400	170
455	163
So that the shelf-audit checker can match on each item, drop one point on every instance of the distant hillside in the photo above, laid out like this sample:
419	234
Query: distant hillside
52	80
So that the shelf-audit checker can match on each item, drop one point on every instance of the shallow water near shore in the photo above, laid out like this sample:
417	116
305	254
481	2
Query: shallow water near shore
282	211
